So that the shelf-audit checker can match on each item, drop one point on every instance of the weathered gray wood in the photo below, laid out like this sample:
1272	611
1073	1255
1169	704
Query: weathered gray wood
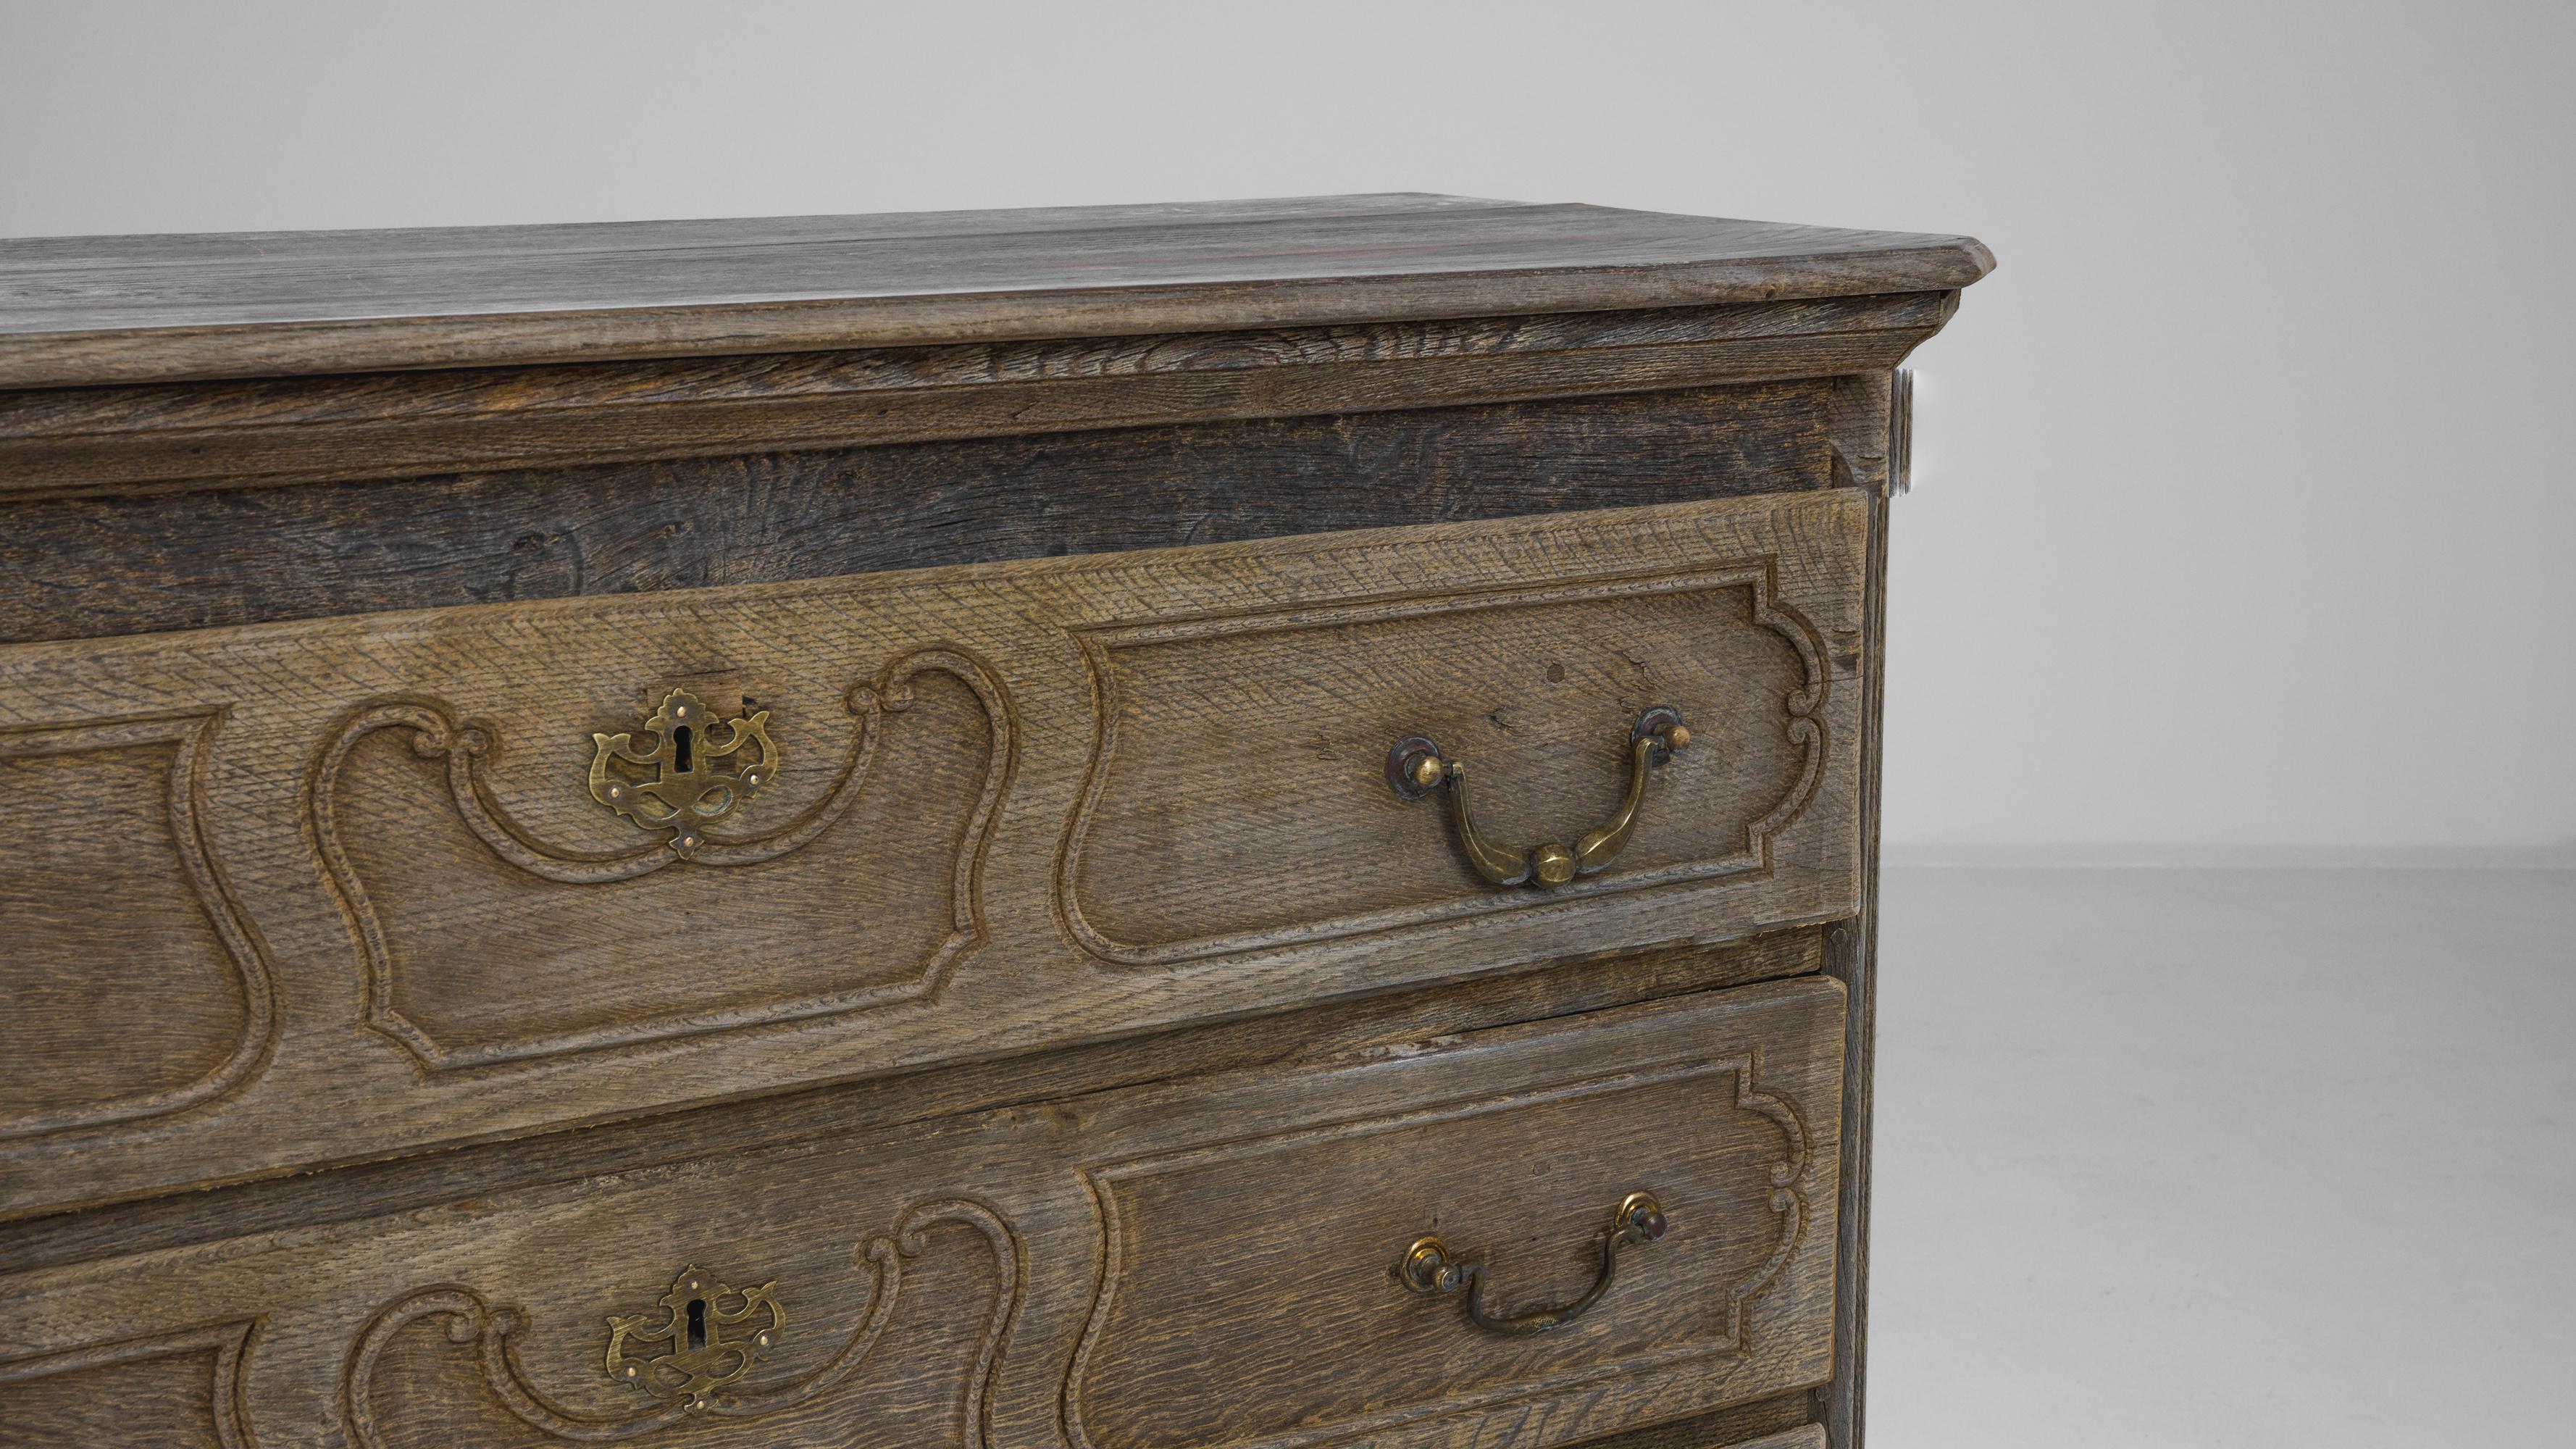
92	310
94	566
1781	1423
422	1181
1018	1277
963	854
1117	998
1852	957
64	441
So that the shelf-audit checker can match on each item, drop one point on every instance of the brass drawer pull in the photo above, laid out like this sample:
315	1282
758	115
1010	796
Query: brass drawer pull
1416	767
1428	1268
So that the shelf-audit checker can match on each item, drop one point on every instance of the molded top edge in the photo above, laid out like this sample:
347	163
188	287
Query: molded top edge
131	309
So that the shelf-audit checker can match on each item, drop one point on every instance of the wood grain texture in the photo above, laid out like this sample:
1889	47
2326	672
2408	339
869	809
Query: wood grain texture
907	1352
1774	1423
1302	1034
1853	959
111	894
1811	1437
101	309
1233	1254
124	440
1715	1431
221	557
1222	737
371	763
182	1387
941	1280
865	896
1073	1017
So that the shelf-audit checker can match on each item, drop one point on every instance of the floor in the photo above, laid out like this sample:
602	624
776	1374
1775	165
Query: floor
2265	1157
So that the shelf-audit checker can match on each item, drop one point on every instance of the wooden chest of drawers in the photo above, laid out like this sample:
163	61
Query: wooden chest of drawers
1247	824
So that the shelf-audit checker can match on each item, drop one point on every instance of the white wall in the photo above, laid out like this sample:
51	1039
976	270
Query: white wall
2245	495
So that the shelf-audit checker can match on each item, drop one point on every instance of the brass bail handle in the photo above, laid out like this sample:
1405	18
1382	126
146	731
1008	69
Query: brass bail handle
1428	1267
1416	767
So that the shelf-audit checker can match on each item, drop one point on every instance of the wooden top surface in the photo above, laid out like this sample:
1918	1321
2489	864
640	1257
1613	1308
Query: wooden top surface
128	309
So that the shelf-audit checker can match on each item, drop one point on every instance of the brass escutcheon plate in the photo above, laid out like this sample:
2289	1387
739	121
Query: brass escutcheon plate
694	1317
685	789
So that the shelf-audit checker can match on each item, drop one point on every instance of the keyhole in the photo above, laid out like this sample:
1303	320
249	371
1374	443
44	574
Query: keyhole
681	741
697	1320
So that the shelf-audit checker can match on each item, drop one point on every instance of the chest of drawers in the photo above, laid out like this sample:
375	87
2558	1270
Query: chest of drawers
1246	824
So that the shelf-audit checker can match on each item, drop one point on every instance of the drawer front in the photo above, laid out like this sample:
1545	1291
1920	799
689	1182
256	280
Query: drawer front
1302	1256
304	893
1211	1262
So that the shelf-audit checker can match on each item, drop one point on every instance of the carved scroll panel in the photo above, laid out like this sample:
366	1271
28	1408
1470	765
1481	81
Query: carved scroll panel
910	1359
1272	1255
176	1390
348	888
1235	803
132	984
483	941
1206	1261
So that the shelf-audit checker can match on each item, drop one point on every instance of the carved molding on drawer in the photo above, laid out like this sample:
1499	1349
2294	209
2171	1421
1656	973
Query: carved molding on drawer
492	1332
136	1384
71	838
1786	1200
460	750
1801	725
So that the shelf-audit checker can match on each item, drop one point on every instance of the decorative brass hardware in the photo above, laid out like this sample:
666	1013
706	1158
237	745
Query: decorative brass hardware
1428	1268
685	791
1415	767
694	1318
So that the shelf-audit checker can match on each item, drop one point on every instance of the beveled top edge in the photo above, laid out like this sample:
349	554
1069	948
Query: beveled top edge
611	237
102	310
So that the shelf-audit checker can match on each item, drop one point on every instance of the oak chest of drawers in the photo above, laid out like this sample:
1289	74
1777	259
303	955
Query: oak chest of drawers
1244	824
